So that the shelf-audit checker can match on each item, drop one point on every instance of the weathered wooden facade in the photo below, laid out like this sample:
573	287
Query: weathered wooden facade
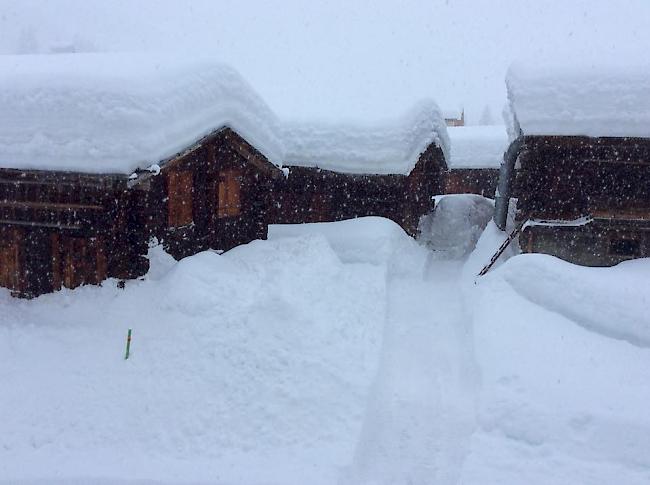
311	194
214	195
480	181
587	199
61	229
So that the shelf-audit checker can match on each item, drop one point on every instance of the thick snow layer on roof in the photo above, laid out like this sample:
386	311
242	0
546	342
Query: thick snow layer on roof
385	148
114	113
572	101
477	146
108	113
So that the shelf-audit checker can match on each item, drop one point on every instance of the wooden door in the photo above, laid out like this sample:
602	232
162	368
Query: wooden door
83	261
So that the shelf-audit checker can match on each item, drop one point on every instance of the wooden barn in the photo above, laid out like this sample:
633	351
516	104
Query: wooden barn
579	167
215	195
88	211
341	172
66	229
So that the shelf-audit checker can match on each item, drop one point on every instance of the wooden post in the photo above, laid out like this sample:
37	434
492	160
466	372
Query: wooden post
128	345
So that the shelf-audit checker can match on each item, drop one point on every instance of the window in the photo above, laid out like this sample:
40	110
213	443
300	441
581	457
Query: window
229	191
179	191
624	247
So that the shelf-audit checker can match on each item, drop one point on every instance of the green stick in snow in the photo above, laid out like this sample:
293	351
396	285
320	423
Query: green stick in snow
128	345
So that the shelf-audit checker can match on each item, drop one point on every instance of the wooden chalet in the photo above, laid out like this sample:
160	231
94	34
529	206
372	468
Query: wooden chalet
341	173
65	229
312	194
476	155
586	198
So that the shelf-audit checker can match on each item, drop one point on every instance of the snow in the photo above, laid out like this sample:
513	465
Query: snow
452	113
115	113
456	225
595	100
258	359
564	374
477	146
578	222
373	240
621	293
335	353
389	147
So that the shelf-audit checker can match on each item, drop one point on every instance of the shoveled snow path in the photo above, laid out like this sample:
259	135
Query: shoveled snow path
421	409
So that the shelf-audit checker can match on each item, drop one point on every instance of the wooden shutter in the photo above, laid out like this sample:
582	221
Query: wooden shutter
229	194
179	192
9	265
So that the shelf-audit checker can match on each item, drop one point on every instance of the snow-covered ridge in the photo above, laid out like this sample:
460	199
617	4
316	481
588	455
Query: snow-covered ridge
395	145
588	100
114	113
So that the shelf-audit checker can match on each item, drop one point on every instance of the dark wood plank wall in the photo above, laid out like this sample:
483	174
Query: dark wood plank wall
606	179
317	195
481	181
48	209
573	176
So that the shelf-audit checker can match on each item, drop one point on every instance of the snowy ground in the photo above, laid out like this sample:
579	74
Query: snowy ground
341	353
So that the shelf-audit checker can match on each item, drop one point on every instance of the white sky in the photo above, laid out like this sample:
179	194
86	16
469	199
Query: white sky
347	59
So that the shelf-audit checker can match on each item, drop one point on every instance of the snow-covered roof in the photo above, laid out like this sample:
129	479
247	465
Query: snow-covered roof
391	147
452	113
477	146
115	113
588	100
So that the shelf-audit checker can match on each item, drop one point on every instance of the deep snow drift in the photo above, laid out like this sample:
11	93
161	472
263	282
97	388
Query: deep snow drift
250	367
564	360
339	353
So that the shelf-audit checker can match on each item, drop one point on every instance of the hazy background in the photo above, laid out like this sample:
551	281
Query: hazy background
345	59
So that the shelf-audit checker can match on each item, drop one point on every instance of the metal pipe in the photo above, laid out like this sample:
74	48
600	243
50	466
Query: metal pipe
504	186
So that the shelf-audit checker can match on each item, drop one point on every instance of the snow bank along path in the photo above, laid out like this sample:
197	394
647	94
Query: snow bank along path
562	398
588	100
333	353
250	367
114	113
